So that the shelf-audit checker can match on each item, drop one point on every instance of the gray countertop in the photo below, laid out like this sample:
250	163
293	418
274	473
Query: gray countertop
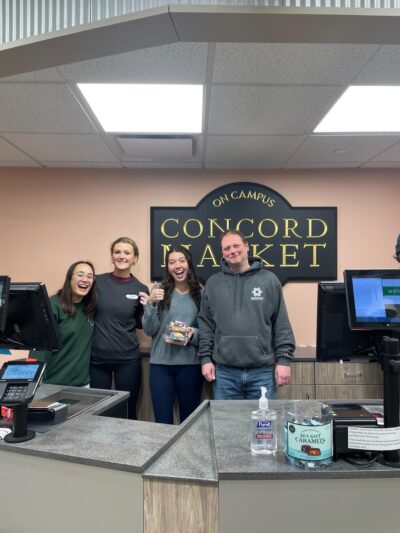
231	429
212	444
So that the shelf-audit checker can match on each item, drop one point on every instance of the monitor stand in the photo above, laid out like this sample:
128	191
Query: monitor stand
20	432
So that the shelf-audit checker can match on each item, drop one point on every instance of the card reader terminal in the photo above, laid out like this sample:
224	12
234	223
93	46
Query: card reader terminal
19	381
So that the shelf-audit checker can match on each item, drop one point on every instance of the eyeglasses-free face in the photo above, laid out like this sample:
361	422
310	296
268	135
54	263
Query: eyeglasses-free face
123	258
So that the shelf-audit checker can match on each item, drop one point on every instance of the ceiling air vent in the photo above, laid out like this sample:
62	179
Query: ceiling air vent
156	147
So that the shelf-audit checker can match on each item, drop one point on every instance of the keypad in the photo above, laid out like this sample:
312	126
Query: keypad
14	393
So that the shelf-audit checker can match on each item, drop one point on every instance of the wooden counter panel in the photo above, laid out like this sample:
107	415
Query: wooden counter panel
180	507
348	373
346	392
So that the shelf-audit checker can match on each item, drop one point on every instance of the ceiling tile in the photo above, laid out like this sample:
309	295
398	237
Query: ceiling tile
250	152
10	153
390	155
289	63
82	164
162	165
45	75
293	166
382	164
41	108
383	68
268	110
5	164
342	148
174	63
71	148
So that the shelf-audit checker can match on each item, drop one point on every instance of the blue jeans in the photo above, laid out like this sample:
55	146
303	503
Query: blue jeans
168	382
243	383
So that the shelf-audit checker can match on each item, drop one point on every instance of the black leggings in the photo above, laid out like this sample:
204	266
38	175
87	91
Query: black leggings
127	377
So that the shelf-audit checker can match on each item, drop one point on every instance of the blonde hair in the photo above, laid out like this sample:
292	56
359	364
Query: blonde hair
126	240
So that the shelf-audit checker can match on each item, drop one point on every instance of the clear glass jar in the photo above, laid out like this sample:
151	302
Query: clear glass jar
308	434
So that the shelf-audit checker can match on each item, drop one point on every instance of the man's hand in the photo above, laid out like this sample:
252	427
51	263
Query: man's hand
208	371
282	375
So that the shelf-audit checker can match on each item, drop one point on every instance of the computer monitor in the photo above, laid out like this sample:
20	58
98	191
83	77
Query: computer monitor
335	340
30	322
4	290
373	299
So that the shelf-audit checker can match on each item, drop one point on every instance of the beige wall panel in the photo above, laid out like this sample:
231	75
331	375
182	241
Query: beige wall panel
310	506
52	217
67	497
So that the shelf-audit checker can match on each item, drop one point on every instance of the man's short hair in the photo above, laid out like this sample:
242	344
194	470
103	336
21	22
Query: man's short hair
233	232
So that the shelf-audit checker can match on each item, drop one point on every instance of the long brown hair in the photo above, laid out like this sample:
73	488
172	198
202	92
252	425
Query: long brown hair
65	293
168	283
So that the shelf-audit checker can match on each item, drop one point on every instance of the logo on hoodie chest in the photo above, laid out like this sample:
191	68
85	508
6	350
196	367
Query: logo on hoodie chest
257	294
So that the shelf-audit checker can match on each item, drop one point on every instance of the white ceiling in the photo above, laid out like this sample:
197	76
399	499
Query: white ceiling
262	102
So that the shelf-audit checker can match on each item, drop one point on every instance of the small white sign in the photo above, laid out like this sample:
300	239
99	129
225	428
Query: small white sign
374	439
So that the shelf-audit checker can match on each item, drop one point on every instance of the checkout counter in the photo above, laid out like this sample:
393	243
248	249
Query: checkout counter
96	473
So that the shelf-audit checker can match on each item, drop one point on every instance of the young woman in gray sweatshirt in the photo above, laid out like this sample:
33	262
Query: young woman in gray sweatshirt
170	318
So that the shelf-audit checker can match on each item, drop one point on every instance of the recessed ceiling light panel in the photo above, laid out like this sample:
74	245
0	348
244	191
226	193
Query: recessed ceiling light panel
146	108
364	109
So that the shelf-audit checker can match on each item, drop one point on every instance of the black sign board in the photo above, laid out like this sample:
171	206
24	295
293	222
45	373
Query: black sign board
296	243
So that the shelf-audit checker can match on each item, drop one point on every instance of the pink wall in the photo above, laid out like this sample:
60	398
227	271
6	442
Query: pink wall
52	217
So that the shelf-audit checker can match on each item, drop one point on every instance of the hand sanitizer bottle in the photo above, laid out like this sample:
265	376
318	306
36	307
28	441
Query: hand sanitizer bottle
263	427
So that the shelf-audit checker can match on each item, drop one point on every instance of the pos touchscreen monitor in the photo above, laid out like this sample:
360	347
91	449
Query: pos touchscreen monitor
30	320
4	289
373	299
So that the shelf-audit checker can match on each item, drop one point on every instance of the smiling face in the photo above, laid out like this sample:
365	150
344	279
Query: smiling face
235	252
123	258
178	267
81	281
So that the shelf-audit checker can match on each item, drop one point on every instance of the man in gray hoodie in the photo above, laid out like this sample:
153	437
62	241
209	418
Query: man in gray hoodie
246	340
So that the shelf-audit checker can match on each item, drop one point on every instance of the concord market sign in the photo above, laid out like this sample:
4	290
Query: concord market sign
296	243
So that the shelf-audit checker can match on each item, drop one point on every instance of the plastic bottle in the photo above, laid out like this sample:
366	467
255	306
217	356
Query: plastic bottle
263	427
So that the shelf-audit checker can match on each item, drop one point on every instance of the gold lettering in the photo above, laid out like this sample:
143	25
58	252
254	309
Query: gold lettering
314	247
185	228
213	222
163	230
260	195
261	224
290	228
238	225
256	253
210	257
286	255
234	195
310	228
217	202
165	248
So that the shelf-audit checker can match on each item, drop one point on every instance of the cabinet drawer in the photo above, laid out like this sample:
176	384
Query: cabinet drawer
296	392
348	373
302	373
346	392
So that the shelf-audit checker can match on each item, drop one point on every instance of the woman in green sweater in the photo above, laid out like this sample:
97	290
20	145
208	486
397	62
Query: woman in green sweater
73	307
